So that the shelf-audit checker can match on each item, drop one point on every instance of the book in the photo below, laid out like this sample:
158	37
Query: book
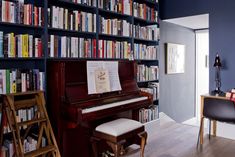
21	13
1	44
21	80
76	20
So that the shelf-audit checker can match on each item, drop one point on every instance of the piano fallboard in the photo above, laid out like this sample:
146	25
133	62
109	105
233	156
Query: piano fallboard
78	115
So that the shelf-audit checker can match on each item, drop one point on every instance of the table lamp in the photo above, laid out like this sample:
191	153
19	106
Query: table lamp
217	66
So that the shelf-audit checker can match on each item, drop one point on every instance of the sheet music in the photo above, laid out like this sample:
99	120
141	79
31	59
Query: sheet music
111	66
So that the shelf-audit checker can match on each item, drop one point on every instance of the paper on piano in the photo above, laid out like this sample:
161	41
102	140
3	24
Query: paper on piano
111	67
102	83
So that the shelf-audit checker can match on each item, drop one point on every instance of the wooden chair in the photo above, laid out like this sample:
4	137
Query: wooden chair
116	134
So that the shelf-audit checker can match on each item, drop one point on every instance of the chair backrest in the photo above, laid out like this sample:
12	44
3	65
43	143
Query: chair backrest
220	110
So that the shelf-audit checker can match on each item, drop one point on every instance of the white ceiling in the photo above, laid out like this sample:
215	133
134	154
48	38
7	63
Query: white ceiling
193	22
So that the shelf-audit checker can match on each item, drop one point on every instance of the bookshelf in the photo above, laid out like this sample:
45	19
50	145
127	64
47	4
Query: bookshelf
94	35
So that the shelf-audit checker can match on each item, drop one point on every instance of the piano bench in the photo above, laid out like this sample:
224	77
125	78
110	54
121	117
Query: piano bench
117	132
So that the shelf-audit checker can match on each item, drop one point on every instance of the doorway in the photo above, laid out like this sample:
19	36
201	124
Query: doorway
202	73
202	67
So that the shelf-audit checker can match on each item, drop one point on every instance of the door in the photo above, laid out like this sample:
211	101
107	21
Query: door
202	67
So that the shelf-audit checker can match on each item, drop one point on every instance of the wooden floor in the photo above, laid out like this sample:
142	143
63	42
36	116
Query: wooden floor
170	139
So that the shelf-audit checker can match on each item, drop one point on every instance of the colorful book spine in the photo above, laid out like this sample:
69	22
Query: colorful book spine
21	80
18	12
1	44
63	18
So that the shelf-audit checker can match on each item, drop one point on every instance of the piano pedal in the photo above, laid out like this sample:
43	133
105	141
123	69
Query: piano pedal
109	153
104	154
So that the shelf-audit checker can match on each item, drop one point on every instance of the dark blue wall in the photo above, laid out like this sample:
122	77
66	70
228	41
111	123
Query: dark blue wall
177	91
221	31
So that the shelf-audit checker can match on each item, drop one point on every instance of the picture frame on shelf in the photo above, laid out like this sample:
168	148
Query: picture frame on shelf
174	58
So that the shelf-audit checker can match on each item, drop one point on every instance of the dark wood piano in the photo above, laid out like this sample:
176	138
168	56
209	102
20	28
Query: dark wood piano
74	113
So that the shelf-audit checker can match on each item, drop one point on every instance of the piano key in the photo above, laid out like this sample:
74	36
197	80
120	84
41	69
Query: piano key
115	104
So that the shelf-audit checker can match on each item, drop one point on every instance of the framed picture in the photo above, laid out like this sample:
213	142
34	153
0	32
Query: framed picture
175	58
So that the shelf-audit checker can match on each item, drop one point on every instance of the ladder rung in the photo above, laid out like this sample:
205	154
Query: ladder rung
31	122
19	104
24	93
40	151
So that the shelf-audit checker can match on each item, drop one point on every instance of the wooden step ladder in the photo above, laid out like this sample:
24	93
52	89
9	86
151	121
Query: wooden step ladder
17	101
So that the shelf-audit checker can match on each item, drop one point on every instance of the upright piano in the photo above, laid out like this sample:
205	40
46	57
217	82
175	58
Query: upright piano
74	113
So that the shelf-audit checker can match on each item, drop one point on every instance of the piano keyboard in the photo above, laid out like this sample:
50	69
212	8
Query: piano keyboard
115	104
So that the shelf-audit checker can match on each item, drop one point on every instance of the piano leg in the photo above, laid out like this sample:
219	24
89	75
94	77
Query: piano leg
76	142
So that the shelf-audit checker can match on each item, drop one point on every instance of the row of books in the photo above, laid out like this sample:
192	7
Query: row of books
22	115
142	51
145	73
63	46
155	85
145	12
18	12
114	49
153	89
85	2
30	144
148	114
146	32
119	6
21	80
20	45
115	27
71	19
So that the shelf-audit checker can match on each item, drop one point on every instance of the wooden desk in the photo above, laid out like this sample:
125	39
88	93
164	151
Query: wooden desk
201	115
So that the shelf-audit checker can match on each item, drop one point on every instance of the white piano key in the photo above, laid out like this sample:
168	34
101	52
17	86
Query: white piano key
115	104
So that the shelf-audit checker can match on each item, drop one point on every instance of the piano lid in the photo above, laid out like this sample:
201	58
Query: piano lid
76	81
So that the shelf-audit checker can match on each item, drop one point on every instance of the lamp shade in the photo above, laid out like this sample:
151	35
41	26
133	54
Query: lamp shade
217	61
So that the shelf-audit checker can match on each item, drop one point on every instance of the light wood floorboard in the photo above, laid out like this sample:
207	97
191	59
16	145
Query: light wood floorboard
177	140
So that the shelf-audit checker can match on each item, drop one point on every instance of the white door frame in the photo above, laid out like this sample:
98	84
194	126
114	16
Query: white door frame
202	70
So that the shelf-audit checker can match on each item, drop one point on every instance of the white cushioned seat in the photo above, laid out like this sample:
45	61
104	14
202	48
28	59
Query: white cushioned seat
118	127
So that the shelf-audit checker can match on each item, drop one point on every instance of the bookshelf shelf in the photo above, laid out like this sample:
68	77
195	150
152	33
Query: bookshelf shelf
156	101
83	7
139	40
70	32
117	37
80	59
145	22
22	59
8	24
113	13
139	82
149	2
146	60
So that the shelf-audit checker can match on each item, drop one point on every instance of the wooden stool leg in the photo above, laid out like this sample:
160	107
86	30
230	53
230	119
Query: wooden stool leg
94	142
115	147
143	137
